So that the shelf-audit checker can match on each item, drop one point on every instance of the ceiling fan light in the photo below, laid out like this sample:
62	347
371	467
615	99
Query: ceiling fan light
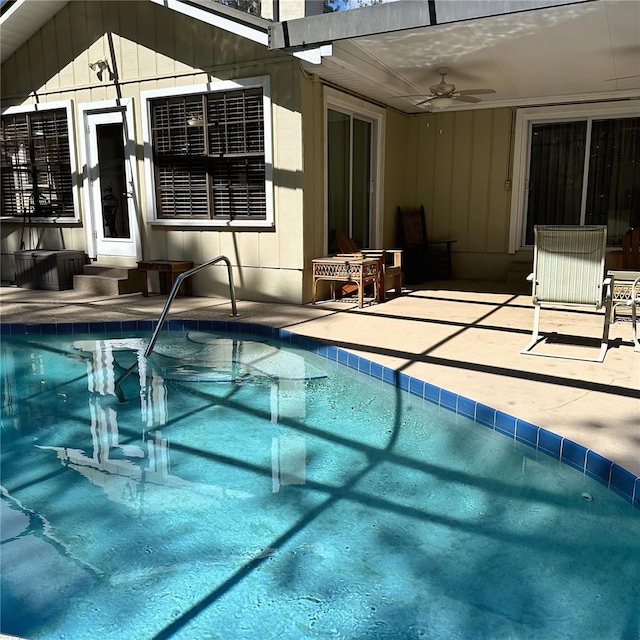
442	102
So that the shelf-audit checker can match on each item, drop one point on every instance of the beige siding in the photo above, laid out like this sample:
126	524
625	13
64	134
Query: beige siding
313	132
158	48
400	170
463	165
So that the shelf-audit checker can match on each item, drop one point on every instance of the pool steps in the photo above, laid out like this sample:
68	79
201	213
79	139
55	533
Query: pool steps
585	460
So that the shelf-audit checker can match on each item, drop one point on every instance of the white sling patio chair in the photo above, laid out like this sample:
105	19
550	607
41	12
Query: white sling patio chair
634	302
568	271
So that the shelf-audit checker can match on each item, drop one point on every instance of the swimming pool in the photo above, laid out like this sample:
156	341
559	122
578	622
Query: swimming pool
242	487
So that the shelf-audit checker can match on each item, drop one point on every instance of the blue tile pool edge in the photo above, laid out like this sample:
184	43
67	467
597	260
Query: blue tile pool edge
617	478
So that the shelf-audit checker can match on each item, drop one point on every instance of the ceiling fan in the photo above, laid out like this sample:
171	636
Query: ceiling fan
444	94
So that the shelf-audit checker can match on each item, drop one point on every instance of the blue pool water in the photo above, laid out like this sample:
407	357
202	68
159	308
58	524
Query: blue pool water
235	487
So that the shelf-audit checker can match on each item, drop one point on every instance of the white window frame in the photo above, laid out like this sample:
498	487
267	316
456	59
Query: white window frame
67	105
146	97
349	105
525	118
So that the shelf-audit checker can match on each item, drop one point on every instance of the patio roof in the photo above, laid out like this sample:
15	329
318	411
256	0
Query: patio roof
531	52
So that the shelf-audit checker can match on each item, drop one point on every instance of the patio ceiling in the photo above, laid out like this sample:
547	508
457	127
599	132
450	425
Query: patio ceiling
580	51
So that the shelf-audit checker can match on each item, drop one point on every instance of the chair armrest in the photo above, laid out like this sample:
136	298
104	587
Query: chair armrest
396	255
607	288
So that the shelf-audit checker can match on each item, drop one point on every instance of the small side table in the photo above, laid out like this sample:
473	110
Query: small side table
168	271
360	271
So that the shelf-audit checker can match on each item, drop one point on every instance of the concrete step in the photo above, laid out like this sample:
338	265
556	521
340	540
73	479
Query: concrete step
108	281
107	271
518	272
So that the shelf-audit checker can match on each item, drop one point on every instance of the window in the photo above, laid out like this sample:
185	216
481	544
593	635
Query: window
36	164
209	155
576	165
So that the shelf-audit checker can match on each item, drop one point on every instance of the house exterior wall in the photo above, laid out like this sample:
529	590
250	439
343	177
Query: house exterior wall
158	48
465	157
457	164
454	163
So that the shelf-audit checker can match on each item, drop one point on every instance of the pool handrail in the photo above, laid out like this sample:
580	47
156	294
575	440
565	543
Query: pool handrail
165	310
174	291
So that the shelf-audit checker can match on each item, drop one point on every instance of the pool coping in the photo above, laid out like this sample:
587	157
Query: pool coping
587	461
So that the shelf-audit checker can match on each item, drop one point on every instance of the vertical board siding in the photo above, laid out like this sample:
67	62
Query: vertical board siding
63	45
463	162
500	198
145	37
438	218
461	200
313	133
49	55
479	186
401	170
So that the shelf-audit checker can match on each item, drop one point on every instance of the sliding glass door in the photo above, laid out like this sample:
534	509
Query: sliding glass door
585	171
349	177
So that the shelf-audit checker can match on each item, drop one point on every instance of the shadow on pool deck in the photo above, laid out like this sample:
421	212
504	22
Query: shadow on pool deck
462	336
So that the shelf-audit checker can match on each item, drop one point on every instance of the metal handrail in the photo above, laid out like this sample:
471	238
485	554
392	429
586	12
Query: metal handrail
172	294
174	291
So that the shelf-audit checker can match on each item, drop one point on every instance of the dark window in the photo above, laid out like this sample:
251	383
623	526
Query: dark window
606	154
36	165
208	154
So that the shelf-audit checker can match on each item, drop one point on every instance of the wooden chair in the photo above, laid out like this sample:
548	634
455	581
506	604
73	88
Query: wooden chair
568	271
390	263
423	259
626	268
631	249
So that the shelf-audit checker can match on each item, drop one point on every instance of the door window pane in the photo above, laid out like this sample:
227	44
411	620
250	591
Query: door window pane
115	213
338	145
559	153
613	194
349	140
361	182
555	174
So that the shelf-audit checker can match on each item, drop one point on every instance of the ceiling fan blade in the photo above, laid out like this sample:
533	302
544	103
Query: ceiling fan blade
425	101
471	99
479	92
412	95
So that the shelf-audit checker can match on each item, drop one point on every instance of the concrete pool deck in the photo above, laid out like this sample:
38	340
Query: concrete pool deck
462	336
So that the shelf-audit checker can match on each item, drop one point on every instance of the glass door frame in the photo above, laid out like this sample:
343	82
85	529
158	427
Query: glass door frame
522	151
97	244
354	107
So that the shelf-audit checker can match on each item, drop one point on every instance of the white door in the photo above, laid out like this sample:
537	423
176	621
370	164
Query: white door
110	183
